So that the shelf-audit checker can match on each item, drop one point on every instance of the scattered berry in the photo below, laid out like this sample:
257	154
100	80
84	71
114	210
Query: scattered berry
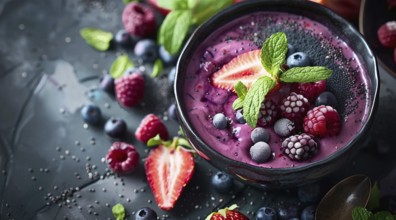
288	211
172	112
139	19
227	214
298	59
260	152
115	128
284	127
310	90
91	114
322	121
149	127
310	193
222	182
107	84
268	113
260	134
220	121
122	158
299	147
146	213
146	50
239	117
266	213
122	38
290	50
387	34
294	107
326	98
129	89
308	213
165	56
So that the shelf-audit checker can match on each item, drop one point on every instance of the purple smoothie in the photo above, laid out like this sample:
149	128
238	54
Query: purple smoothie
349	83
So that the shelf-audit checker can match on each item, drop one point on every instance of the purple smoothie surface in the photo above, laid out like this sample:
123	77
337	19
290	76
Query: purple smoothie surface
202	101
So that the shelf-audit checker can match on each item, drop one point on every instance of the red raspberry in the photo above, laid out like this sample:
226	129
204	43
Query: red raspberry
387	34
268	113
122	158
294	107
321	121
129	89
139	19
310	90
149	127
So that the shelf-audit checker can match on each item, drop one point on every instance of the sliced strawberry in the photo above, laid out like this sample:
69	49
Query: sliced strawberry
246	68
168	170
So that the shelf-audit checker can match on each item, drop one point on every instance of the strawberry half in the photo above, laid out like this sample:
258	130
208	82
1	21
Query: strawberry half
168	170
227	214
246	68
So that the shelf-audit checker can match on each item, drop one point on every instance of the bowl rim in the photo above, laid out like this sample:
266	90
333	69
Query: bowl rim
318	10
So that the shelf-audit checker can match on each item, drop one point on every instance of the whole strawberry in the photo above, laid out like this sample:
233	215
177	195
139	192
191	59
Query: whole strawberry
387	34
129	89
149	127
227	214
139	19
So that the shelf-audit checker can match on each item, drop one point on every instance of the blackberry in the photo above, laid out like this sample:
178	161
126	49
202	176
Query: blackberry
299	147
268	113
294	107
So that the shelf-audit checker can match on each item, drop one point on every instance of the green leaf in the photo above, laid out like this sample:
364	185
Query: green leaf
183	142
360	213
374	199
174	29
157	68
204	9
97	38
173	4
273	53
129	1
118	211
241	91
254	97
238	103
306	74
154	141
120	65
382	215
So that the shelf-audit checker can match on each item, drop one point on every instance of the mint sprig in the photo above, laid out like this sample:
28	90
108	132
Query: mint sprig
118	211
241	91
120	65
305	74
97	38
273	53
157	68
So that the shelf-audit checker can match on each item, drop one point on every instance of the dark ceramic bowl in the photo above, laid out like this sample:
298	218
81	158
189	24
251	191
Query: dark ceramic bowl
290	176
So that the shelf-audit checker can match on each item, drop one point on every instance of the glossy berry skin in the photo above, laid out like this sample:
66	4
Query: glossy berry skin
222	182
310	90
115	128
308	213
107	84
266	213
322	121
122	38
146	213
166	57
220	121
122	158
239	117
299	147
260	152
139	19
129	89
146	50
298	59
149	127
326	98
91	114
284	127
260	134
288	211
290	50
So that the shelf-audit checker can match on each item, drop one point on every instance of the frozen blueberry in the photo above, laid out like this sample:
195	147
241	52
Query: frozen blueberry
222	182
294	218
172	112
122	38
132	70
146	49
290	50
146	213
260	134
289	211
171	75
308	213
220	121
91	114
326	98
166	57
266	213
115	127
298	59
284	127
260	152
107	84
310	193
239	117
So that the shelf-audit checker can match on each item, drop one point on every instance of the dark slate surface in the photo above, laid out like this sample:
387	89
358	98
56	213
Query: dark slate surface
51	164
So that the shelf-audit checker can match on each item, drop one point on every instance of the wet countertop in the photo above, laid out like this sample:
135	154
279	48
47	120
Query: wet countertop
51	163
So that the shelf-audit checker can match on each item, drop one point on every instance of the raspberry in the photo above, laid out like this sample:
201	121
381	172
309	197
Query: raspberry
310	90
129	89
299	147
149	127
268	113
294	107
321	121
122	158
139	19
387	34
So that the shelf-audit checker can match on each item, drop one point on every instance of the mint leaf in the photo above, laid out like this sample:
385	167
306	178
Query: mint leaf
360	213
97	38
157	68
382	215
374	199
241	91
118	211
237	104
306	74
120	65
204	9
273	53
173	4
174	29
154	141
254	97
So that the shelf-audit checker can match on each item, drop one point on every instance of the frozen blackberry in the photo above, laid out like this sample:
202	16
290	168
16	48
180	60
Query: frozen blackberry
294	107
284	127
299	147
268	113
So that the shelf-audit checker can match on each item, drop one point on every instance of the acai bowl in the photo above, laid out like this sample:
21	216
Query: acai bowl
243	53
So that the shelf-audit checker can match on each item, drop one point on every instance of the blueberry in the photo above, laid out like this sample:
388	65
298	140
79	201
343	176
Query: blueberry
294	218
298	59
266	213
222	182
171	75
284	127
132	70
260	152
115	127
146	49
107	84
122	38
166	57
308	213
91	114
260	134
310	193
326	98
220	121
146	213
172	112
288	211
290	50
239	117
